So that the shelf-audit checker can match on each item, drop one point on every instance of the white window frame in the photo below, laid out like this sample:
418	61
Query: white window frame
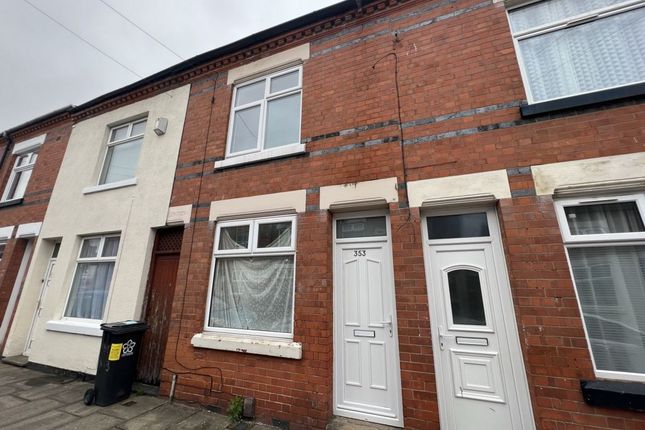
599	240
251	251
97	259
111	143
31	162
585	18
3	246
268	96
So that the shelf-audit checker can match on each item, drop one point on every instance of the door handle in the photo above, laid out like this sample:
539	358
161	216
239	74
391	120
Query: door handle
388	324
442	338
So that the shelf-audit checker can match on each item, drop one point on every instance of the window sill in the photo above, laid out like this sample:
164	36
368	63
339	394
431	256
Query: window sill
76	327
110	186
283	151
272	347
614	394
581	100
12	202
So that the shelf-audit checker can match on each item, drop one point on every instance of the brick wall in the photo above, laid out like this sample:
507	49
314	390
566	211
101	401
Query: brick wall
460	89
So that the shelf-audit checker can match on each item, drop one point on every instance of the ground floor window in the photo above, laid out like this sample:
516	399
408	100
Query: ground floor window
253	277
92	278
605	241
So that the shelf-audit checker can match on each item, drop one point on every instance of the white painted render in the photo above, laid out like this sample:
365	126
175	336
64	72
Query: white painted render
493	183
288	201
267	64
132	211
549	177
359	193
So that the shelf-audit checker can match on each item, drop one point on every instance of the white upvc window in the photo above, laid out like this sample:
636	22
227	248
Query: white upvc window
572	47
605	243
20	176
266	113
122	155
3	245
92	277
253	277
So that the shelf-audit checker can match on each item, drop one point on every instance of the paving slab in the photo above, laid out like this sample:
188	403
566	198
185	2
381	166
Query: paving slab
23	412
203	420
72	392
166	416
7	402
80	409
340	423
95	421
46	421
132	407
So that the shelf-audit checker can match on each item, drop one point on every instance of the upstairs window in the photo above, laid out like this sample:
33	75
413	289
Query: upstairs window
3	245
19	177
92	278
572	47
605	241
122	157
265	113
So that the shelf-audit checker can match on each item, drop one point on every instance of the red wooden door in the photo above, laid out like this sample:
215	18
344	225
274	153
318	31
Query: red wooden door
161	289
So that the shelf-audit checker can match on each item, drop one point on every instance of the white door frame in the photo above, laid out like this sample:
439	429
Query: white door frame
520	384
336	303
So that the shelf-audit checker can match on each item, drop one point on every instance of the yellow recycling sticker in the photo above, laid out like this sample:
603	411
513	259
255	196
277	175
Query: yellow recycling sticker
115	352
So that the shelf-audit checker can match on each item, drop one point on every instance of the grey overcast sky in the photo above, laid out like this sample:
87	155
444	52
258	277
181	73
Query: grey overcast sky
44	67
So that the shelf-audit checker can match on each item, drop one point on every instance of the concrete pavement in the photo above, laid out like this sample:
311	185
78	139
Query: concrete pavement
32	400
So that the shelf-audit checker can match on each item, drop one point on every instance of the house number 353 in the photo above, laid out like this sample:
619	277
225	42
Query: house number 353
359	253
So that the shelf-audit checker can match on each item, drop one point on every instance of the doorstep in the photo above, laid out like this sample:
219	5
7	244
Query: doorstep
341	423
16	360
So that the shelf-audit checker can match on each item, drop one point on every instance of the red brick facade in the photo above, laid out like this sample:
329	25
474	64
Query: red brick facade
32	209
453	57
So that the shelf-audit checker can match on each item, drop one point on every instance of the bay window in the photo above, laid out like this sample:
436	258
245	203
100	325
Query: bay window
605	242
92	278
253	273
572	47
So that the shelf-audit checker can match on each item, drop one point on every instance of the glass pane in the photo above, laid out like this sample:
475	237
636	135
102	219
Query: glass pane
119	133
458	226
610	281
361	227
466	298
23	160
89	290
602	54
2	246
245	129
253	293
275	234
546	12
604	218
56	249
234	237
138	128
284	82
19	185
283	121
249	93
90	248
111	246
121	161
34	157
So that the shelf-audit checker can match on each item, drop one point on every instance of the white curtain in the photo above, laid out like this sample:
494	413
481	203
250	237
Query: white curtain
546	12
253	293
89	290
602	54
610	281
606	218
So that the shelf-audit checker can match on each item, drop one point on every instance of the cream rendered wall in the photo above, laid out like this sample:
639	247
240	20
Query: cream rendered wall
133	211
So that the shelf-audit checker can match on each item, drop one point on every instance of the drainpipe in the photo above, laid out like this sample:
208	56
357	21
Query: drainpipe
7	137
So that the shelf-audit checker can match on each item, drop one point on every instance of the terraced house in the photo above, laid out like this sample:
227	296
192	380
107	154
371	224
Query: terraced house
425	214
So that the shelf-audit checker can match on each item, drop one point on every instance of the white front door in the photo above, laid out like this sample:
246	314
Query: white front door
367	381
481	381
46	281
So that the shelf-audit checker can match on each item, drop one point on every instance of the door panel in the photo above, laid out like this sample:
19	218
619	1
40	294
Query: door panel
367	384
